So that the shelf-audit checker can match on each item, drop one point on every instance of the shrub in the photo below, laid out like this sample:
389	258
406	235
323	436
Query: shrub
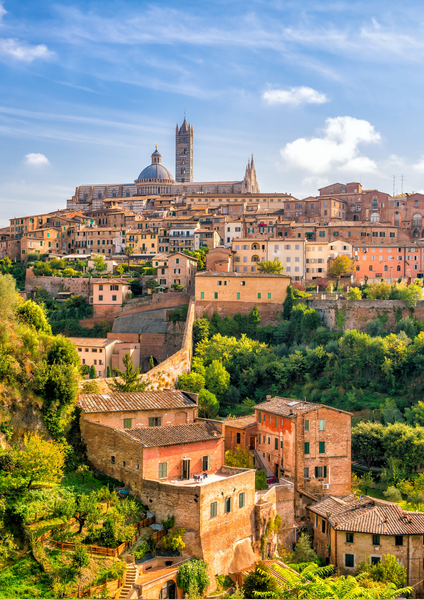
260	480
194	571
354	294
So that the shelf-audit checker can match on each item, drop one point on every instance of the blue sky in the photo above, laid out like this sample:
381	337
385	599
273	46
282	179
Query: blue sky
318	91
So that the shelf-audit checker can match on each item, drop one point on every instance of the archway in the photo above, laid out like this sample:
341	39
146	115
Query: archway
355	218
169	590
149	362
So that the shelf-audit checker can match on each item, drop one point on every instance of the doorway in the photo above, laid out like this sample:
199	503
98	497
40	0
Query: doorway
186	468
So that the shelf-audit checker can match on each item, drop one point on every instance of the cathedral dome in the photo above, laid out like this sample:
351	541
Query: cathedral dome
156	171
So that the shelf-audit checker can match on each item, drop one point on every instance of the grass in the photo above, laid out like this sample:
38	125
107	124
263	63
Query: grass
24	579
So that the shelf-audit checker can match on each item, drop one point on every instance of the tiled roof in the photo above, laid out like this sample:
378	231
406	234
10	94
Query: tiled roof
115	401
241	422
289	407
369	515
242	275
94	342
171	435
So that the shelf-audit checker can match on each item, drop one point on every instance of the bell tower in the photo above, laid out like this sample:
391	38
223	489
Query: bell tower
184	152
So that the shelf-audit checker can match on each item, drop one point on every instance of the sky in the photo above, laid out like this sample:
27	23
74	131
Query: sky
318	91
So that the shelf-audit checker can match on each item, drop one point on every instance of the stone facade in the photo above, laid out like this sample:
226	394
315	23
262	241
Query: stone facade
184	137
241	432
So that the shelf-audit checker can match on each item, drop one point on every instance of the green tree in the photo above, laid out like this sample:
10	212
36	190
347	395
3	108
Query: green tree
93	372
341	266
151	284
201	330
90	387
86	510
303	552
254	316
195	570
34	460
120	270
174	540
217	379
259	582
240	457
388	570
34	315
108	371
128	251
273	267
354	293
62	352
80	558
288	303
393	494
208	404
366	482
367	442
127	380
177	287
191	382
99	263
260	479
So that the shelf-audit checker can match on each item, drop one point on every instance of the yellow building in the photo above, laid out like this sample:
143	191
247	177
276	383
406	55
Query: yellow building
230	293
290	252
320	254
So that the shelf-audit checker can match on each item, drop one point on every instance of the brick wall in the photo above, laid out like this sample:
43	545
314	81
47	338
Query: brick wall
267	311
140	418
54	285
231	432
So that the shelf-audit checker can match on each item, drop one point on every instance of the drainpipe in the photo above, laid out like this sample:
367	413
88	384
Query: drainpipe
408	554
335	549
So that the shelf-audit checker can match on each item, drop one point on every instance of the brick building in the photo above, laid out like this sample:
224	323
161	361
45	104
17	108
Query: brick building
389	261
241	431
220	259
307	443
348	530
231	293
108	294
139	409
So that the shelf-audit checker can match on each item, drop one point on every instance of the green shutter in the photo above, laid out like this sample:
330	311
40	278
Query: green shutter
163	470
306	447
321	447
276	443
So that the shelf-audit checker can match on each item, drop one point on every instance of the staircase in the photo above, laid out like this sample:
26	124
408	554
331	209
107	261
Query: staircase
261	463
130	579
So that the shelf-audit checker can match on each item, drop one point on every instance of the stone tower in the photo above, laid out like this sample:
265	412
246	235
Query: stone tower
184	153
250	182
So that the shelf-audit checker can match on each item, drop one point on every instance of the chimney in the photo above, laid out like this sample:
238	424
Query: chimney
268	398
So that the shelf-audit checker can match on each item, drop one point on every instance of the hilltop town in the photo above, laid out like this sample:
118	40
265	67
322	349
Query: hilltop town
207	381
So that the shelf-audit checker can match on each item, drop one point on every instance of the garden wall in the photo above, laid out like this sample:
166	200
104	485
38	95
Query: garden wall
54	285
355	314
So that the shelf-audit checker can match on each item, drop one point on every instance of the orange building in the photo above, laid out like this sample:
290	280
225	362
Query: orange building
389	261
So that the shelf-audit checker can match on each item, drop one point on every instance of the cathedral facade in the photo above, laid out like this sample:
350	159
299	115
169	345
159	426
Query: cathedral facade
157	180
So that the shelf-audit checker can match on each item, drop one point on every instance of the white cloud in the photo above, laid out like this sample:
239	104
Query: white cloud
336	148
294	96
36	159
420	165
24	52
3	11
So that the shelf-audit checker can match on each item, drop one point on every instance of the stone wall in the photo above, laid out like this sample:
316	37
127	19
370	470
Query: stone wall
54	285
268	311
355	314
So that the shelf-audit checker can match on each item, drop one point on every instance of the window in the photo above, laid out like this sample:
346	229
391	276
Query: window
320	472
269	440
276	443
214	509
242	500
124	463
228	505
398	540
306	472
349	560
276	421
113	298
375	560
238	295
323	526
163	470
206	463
321	447
306	447
155	421
349	538
202	295
322	424
259	417
269	295
215	295
375	540
112	460
127	423
114	288
100	298
259	295
306	425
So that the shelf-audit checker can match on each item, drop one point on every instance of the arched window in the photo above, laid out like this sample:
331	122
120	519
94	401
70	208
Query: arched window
398	268
355	218
375	217
370	268
417	221
396	222
386	268
168	590
357	267
255	258
255	246
415	234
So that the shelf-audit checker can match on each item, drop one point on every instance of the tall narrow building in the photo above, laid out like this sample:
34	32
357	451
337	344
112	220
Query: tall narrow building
184	153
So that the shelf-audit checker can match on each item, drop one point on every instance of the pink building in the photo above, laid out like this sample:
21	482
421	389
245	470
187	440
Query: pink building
108	293
139	409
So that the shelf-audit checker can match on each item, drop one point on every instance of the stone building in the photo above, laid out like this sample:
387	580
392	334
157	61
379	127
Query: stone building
290	252
307	443
219	259
184	152
108	295
348	530
241	431
133	410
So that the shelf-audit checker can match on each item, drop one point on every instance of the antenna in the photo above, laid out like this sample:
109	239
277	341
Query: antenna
402	184
394	184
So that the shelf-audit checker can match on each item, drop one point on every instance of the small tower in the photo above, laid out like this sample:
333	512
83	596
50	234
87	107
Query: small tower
184	152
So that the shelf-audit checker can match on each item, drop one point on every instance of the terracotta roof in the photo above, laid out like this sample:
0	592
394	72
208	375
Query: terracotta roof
369	515
241	422
242	275
171	435
115	401
95	342
289	407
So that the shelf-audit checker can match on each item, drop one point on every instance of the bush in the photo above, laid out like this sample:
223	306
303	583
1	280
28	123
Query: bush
354	294
80	558
260	480
194	571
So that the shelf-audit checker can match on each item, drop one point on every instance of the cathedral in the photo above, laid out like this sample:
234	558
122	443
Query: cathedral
157	180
